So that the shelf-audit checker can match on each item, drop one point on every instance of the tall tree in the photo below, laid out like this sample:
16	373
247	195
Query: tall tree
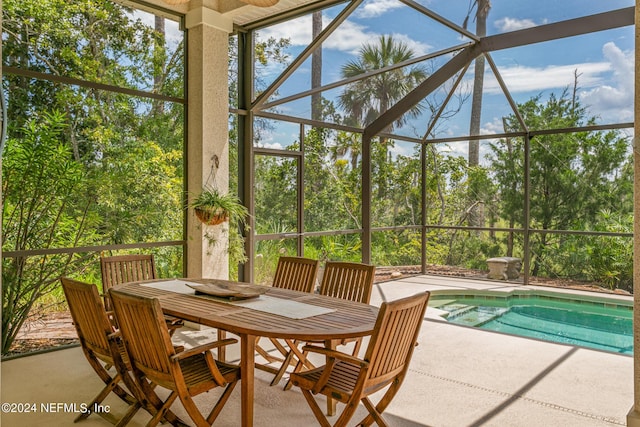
160	56
573	176
482	11
316	68
365	100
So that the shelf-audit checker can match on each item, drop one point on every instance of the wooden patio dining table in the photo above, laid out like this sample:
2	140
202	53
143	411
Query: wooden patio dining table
277	313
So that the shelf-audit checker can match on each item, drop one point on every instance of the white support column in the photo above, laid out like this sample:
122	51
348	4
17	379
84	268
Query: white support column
207	134
633	418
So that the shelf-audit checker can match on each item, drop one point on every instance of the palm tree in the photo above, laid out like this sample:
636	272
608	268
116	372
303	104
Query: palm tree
482	11
366	99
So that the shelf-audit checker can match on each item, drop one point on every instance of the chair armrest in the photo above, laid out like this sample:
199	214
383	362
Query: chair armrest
332	357
336	355
202	348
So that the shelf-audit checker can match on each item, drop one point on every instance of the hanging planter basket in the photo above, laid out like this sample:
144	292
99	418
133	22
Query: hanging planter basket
213	216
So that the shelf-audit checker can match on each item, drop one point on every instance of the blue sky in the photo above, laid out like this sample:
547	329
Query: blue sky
604	61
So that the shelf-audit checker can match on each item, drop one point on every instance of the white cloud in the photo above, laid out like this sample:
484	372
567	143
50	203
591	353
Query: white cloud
607	86
493	127
298	31
455	149
348	37
513	24
417	47
271	145
276	138
535	79
374	8
613	100
402	149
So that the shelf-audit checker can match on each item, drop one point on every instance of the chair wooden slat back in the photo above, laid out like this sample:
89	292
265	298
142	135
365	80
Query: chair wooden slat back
296	273
89	318
146	337
396	333
130	268
348	280
125	268
154	359
94	329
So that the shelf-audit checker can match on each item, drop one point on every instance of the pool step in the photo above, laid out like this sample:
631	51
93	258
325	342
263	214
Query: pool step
470	315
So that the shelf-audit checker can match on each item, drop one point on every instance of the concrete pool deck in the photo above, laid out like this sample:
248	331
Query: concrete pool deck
459	376
489	378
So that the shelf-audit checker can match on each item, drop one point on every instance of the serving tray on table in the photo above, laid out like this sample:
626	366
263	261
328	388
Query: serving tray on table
229	290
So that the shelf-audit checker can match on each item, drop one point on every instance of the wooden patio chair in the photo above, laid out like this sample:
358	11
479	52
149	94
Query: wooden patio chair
351	380
350	281
104	349
101	348
153	358
121	269
345	280
294	273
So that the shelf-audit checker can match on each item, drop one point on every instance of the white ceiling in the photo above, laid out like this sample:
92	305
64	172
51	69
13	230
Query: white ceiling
240	12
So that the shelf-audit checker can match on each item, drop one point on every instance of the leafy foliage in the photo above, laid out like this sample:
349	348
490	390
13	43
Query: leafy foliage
366	99
573	178
40	180
108	166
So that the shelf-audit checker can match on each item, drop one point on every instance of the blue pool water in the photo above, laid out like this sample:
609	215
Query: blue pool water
595	324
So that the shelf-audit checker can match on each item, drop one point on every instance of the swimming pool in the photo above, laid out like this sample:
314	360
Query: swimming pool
595	323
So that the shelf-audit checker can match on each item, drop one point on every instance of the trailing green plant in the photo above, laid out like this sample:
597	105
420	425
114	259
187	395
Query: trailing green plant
214	207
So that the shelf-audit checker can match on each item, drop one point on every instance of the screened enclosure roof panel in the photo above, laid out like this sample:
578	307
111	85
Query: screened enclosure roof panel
530	50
